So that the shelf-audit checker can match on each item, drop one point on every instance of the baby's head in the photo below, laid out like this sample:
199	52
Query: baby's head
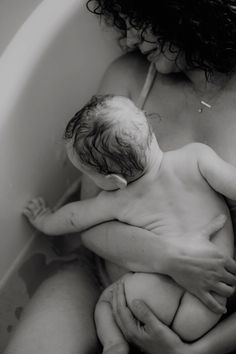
109	139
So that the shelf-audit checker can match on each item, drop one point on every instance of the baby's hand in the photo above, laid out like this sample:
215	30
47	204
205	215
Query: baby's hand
37	213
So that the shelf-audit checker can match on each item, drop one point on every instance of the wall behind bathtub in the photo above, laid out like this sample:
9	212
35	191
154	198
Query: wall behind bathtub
52	65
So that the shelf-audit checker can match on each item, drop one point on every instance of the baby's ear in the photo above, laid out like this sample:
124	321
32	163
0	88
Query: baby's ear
118	180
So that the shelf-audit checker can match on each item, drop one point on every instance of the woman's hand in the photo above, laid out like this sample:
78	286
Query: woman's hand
200	267
145	330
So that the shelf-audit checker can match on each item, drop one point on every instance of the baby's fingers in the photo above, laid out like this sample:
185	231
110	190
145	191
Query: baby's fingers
28	213
34	207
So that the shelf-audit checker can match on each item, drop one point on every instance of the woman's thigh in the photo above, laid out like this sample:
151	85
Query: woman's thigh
59	318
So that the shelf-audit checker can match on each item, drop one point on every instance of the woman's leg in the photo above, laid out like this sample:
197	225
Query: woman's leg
59	318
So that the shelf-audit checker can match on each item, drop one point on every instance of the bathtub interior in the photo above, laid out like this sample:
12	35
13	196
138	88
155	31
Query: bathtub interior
12	15
54	82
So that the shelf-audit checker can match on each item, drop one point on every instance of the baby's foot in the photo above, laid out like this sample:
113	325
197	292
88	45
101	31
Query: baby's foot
119	348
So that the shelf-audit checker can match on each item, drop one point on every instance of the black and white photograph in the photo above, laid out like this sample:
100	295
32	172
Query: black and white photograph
118	176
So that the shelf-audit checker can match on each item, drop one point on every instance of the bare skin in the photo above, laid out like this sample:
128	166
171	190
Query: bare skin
153	207
143	328
196	268
175	195
180	123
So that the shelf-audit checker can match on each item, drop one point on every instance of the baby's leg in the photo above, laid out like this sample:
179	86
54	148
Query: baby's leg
193	318
107	330
159	292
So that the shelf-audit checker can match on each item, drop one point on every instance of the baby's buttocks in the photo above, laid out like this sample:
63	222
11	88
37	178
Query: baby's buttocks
175	307
159	292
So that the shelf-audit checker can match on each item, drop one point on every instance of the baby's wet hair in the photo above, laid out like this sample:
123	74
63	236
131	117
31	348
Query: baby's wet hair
105	139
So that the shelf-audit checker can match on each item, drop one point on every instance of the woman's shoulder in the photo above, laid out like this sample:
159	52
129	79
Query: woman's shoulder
125	74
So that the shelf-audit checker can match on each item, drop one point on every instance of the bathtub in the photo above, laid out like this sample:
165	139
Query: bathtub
52	61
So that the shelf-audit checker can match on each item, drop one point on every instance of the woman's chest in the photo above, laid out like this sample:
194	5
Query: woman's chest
178	118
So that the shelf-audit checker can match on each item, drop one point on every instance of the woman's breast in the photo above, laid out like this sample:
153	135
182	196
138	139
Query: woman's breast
171	134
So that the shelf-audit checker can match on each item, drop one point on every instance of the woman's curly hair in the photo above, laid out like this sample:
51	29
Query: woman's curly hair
205	30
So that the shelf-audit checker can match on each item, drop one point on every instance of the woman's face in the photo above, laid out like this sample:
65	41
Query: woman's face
147	43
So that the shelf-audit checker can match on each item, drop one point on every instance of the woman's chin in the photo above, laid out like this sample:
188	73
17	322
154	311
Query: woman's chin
166	68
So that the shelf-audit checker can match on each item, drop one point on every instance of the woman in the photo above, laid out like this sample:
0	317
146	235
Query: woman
193	94
186	51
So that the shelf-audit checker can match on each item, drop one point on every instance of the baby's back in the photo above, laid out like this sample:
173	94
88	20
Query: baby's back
176	201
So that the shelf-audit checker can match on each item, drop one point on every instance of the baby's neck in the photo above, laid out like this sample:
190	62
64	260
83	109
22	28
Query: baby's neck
154	159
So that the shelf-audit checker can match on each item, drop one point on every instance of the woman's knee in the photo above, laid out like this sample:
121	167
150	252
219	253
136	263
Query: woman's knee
59	317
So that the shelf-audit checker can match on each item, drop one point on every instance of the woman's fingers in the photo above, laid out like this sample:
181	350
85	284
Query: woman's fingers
210	301
115	307
123	315
228	278
223	289
230	266
145	316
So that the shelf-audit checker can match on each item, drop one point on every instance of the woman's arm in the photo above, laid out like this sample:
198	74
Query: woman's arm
199	266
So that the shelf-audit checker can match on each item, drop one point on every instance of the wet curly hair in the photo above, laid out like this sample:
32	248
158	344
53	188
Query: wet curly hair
110	145
205	30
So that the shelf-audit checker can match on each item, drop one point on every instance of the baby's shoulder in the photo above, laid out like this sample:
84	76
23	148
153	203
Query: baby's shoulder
194	149
188	157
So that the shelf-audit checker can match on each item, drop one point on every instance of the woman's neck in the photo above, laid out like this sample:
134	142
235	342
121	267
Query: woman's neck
206	87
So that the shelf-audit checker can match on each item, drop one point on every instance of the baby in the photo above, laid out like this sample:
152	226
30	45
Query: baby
167	193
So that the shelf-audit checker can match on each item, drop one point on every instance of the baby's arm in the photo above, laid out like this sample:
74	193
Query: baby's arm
72	217
220	175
